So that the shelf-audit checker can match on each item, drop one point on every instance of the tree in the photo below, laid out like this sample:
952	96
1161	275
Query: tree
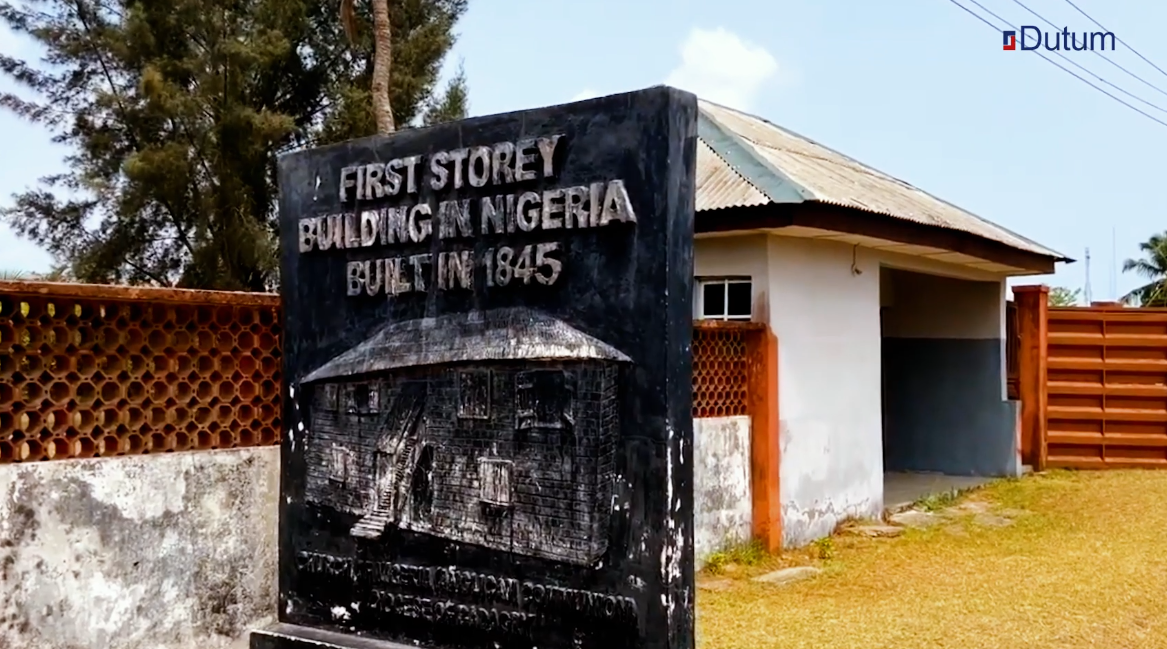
1152	267
417	41
382	58
175	112
1062	296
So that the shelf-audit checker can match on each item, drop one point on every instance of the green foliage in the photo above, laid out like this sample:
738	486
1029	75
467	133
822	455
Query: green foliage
1062	296
175	112
824	548
750	553
938	501
1152	267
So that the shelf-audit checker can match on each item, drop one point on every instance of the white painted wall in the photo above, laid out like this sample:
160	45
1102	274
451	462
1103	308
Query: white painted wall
722	505
930	306
169	551
827	321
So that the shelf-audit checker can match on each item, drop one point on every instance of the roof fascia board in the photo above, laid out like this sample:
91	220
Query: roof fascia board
847	220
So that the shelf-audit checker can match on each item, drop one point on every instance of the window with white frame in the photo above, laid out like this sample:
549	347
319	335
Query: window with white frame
724	298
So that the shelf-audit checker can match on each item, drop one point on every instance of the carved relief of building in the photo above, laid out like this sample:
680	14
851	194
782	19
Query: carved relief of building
495	429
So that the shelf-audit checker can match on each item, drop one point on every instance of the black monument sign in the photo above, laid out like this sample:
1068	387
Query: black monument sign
487	328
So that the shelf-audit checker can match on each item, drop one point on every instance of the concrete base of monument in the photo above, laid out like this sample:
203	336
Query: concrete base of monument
292	636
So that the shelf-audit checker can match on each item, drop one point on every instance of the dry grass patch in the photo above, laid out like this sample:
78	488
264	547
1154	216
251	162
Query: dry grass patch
1059	560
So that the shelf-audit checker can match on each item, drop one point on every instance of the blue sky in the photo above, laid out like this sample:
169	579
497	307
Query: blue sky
916	88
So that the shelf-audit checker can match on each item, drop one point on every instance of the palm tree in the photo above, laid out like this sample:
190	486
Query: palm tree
1153	267
58	273
382	57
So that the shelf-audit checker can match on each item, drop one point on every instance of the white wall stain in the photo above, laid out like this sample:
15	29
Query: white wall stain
134	498
722	505
148	552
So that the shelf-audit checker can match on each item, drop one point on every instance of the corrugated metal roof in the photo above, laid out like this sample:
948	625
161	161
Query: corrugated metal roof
719	186
824	175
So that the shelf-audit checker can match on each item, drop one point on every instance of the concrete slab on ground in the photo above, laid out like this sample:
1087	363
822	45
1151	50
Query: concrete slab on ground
788	575
900	490
913	518
873	530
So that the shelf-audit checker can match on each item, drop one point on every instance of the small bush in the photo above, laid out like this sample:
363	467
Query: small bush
750	553
824	548
938	501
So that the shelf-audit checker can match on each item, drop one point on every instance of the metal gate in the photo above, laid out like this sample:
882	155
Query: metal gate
1106	379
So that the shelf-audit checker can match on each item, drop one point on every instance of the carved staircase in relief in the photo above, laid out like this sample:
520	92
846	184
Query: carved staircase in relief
404	421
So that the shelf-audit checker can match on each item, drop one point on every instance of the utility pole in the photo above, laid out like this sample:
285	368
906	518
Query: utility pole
1089	297
1113	265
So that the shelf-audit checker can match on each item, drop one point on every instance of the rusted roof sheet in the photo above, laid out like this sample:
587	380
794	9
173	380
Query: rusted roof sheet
756	162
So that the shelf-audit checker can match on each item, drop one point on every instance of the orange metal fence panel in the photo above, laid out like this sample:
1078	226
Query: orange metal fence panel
1107	384
721	367
91	371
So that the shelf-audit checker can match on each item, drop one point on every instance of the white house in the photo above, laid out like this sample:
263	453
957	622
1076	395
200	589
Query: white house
888	305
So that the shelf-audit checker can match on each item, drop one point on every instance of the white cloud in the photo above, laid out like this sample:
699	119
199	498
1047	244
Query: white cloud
719	66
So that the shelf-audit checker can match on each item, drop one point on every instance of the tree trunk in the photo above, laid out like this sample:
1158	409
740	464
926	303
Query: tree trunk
382	61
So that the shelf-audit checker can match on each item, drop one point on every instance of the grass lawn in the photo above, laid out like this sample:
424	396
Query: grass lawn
1059	560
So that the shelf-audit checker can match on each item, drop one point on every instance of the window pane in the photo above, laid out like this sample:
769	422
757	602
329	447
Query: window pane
713	300
739	300
544	399
494	481
474	394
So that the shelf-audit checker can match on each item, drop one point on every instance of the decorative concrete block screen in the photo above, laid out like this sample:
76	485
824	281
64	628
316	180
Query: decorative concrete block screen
721	367
88	371
95	371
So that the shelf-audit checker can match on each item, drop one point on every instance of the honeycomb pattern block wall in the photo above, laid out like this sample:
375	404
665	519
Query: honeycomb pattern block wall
721	367
88	371
97	371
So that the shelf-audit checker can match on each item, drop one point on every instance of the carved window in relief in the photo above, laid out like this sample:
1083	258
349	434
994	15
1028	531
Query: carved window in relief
348	399
361	399
340	464
544	399
374	399
327	401
494	481
474	394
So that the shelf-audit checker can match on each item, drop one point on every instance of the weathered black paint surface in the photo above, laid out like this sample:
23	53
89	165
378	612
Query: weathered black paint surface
627	285
944	409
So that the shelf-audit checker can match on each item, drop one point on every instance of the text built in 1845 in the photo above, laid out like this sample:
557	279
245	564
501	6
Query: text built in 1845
488	405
